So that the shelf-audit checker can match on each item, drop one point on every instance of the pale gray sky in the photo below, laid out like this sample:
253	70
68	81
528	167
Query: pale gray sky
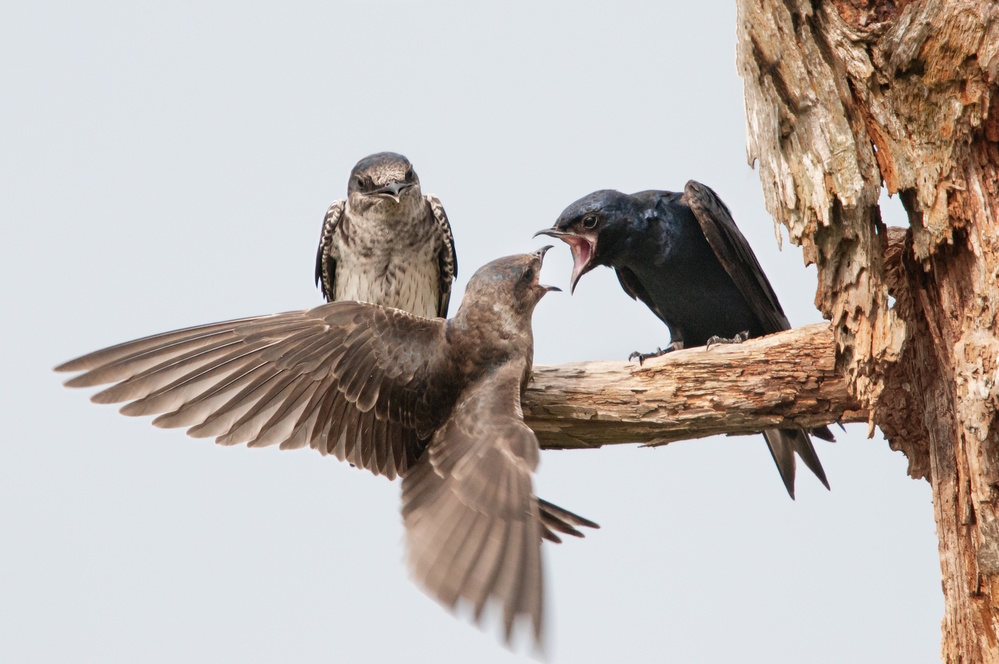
169	164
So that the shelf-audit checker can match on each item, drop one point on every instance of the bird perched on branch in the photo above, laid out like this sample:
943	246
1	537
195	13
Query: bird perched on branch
435	401
387	243
684	257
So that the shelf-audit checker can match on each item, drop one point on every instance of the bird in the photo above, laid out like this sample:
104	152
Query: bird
387	243
437	402
682	255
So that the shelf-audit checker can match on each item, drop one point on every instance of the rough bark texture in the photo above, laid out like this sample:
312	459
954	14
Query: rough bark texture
840	96
787	380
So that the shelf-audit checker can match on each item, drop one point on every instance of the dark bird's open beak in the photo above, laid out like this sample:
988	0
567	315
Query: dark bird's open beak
583	249
393	190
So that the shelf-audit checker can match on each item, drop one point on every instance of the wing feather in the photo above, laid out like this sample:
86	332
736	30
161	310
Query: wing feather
632	285
349	378
325	255
447	261
473	526
735	254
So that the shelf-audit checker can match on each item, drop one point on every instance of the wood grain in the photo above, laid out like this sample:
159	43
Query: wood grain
787	380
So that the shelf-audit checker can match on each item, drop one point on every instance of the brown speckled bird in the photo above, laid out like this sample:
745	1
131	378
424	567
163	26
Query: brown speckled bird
435	401
387	243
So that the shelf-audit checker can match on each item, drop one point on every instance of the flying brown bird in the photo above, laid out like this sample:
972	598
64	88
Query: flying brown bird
434	401
387	243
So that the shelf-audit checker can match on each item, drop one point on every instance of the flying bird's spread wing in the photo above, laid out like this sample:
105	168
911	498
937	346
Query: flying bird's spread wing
447	261
473	526
435	401
735	255
345	378
325	262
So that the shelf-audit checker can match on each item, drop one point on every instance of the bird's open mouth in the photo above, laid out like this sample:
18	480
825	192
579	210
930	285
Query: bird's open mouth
541	257
583	248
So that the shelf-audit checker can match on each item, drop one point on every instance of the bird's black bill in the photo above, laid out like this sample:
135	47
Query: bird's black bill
541	256
393	189
543	250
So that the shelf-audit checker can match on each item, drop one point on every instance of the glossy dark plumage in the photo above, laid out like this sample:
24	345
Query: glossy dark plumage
387	243
684	257
435	401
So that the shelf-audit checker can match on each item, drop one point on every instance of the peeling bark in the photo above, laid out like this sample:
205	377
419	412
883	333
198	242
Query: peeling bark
840	96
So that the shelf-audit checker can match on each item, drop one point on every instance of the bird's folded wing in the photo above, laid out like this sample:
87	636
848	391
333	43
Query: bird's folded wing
473	528
735	254
325	261
346	378
447	261
632	285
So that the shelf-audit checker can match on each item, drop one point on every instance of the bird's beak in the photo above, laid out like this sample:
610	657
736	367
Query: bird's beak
540	253
393	190
583	249
543	250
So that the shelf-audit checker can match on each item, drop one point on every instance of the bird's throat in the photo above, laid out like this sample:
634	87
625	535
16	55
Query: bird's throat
583	248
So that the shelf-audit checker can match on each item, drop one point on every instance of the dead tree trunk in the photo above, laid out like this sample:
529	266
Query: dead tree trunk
840	96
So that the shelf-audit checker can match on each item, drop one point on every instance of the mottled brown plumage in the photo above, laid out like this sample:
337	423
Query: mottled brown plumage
435	401
387	243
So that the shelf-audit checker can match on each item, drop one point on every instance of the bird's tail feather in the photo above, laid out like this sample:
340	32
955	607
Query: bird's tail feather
554	518
824	433
783	443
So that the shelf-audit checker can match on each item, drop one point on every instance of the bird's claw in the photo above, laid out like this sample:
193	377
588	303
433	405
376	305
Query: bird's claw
658	352
737	339
644	356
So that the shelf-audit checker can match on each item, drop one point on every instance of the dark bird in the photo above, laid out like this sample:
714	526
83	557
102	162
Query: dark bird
387	243
684	257
435	401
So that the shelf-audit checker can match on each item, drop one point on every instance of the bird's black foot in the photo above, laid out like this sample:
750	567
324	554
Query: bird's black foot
737	339
658	352
641	357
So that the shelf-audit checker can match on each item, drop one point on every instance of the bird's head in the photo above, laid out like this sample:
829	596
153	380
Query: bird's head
384	180
510	283
589	227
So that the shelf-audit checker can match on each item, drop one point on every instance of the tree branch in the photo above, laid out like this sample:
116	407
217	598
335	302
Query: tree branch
782	380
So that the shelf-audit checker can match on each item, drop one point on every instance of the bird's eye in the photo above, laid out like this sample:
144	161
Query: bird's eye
528	274
589	222
359	181
409	173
